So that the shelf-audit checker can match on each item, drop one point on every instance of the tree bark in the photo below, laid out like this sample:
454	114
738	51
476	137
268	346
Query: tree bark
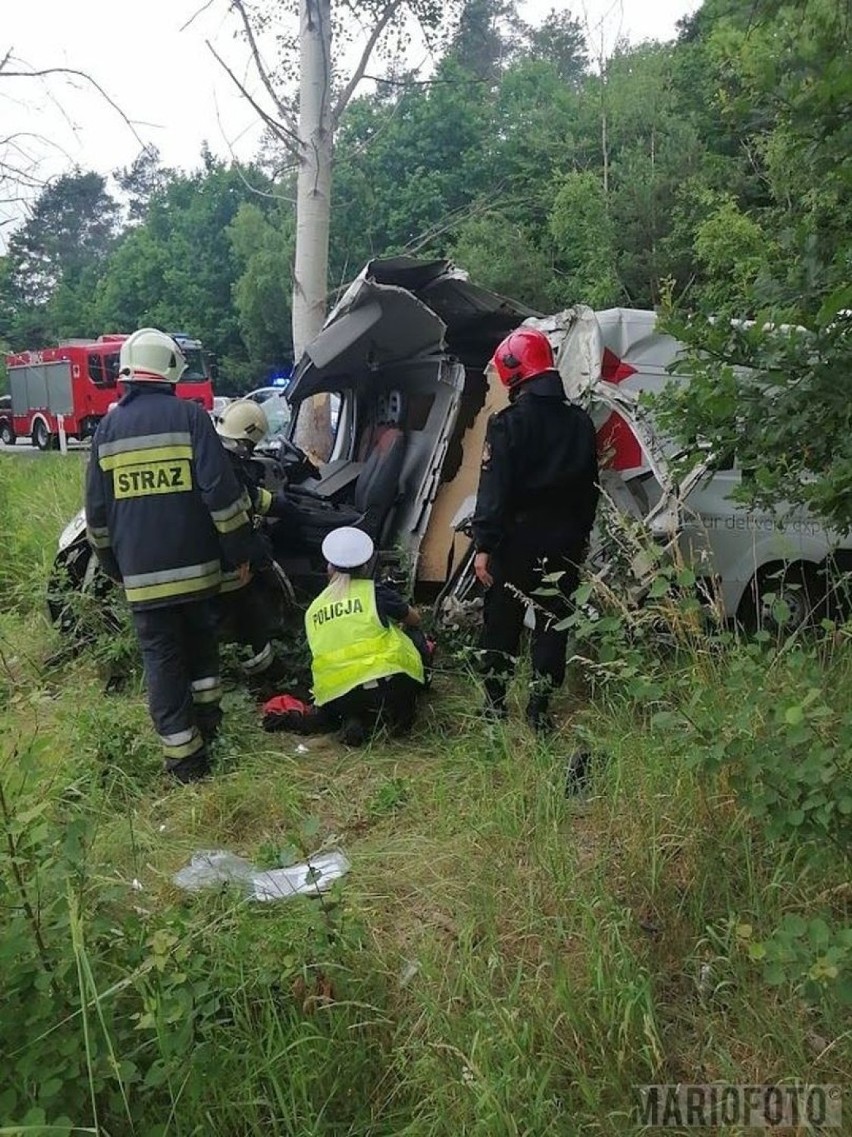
313	204
313	193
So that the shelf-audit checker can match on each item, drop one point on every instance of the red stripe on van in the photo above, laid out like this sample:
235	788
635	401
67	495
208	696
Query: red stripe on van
613	369
618	446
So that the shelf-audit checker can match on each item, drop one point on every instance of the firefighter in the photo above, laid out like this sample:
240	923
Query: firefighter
162	509
365	667
243	424
535	509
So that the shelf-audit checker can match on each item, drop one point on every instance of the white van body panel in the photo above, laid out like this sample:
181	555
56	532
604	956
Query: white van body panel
718	537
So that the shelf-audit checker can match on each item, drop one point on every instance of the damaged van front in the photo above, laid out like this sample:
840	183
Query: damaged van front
404	354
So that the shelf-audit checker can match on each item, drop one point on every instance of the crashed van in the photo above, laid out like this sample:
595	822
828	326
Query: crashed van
402	359
750	562
404	353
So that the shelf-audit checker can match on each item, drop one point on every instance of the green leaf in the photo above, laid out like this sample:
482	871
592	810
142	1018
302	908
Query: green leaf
794	715
773	974
310	827
659	587
819	933
843	990
583	594
834	303
794	925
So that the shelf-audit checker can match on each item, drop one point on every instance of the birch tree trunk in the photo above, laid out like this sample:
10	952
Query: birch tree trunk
313	206
313	193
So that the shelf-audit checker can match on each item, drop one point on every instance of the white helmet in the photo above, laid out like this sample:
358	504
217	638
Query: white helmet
151	356
243	422
347	547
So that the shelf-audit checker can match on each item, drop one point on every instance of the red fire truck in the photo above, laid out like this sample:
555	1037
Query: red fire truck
74	385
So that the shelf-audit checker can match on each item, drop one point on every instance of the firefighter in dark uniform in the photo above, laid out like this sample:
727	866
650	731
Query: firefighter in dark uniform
534	512
162	509
242	425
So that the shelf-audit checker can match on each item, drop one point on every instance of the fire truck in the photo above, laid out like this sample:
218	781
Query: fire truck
72	387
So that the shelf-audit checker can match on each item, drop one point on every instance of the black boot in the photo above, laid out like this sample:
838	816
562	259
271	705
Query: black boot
353	732
538	716
208	719
191	769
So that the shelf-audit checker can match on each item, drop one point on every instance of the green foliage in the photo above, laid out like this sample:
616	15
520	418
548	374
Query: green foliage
263	245
70	230
560	40
584	240
785	752
770	394
499	254
177	270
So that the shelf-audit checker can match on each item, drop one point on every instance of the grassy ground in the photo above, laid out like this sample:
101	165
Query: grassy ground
502	958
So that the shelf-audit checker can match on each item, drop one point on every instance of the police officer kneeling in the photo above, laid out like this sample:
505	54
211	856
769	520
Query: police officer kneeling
534	512
162	507
365	668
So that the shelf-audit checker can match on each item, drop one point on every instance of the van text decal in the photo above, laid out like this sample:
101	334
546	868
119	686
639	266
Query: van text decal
752	524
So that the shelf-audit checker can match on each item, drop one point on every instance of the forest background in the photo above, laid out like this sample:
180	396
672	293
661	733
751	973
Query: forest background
712	170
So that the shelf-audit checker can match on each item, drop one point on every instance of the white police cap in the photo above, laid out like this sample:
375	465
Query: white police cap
347	548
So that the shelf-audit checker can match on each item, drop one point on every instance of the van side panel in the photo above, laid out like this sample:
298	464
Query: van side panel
723	538
439	537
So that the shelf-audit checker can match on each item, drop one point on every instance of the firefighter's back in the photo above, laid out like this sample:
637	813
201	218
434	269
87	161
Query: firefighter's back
150	450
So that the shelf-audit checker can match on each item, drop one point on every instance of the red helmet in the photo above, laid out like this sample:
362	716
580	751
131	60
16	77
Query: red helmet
522	355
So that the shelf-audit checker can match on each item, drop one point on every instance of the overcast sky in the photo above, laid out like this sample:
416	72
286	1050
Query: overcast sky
167	82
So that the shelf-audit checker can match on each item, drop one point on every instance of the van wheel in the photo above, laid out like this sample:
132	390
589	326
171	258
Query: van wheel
781	599
42	438
7	435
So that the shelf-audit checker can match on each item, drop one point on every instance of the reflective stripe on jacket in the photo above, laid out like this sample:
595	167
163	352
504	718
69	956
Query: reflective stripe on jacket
163	507
349	644
260	502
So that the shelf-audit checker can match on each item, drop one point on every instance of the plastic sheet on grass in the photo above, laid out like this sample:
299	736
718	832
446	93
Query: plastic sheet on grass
210	868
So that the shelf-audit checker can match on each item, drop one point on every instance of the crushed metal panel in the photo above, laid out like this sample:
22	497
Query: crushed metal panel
372	327
576	338
418	520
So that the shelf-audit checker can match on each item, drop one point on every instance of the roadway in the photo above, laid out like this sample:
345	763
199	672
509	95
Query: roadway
27	448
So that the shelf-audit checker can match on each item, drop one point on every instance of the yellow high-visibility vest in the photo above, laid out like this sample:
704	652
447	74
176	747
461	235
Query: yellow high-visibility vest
350	645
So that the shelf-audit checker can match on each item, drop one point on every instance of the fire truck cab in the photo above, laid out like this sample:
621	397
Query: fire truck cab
72	386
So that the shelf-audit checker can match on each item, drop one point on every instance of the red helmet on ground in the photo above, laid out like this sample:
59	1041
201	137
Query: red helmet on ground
522	355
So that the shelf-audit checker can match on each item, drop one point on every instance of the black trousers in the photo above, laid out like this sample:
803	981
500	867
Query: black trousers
391	703
180	652
522	568
244	610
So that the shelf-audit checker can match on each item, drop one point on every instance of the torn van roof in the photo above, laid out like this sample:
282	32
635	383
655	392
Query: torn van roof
401	308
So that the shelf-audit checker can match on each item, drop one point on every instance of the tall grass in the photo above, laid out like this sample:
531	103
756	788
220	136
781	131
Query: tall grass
503	959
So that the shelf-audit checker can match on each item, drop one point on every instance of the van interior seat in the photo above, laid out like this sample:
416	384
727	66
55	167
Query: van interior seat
380	457
377	489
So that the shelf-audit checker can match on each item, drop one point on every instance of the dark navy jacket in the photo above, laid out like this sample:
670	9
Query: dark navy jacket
163	507
539	480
